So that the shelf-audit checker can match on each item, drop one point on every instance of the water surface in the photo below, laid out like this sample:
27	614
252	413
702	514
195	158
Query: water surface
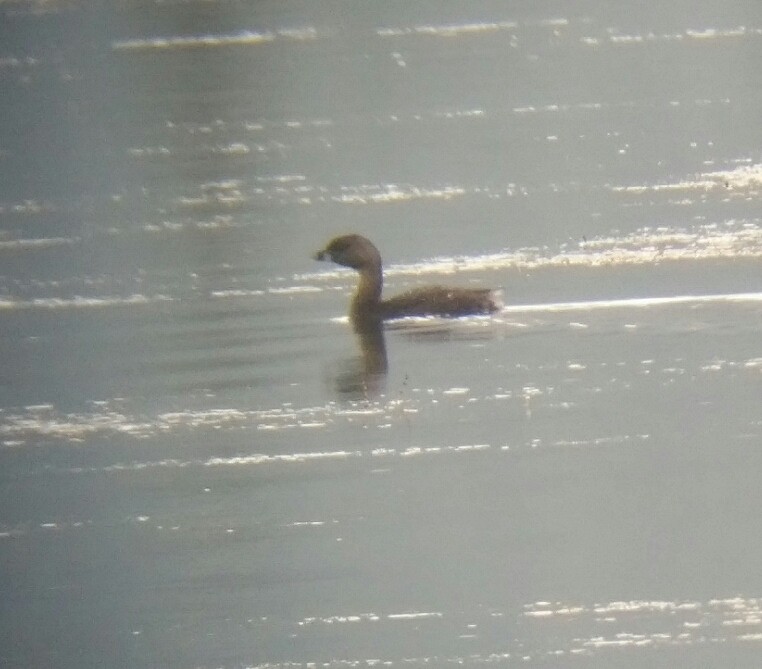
200	465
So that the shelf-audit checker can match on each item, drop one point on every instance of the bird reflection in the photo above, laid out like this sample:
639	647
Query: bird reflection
364	375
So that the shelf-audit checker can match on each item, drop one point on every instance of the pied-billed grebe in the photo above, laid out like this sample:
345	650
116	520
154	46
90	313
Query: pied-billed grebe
359	253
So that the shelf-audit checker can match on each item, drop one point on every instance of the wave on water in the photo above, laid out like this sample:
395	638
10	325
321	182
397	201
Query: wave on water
33	425
648	246
730	240
545	632
40	243
742	183
242	38
28	207
615	37
45	423
745	180
80	302
449	30
306	457
433	324
634	303
559	25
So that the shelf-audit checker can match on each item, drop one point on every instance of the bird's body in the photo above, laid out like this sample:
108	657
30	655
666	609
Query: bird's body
440	301
360	254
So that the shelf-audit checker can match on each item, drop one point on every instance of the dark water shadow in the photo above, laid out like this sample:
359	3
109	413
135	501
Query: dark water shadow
364	376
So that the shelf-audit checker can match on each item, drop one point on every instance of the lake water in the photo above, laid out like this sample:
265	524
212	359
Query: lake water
200	465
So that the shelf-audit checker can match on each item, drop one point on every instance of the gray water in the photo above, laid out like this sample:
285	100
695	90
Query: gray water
199	464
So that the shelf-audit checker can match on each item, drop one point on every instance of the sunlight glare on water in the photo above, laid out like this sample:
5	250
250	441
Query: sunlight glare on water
204	465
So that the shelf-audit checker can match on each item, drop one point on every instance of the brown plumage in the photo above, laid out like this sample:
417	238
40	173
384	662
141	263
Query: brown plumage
360	254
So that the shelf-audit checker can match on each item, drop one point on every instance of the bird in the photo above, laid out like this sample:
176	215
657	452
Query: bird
367	306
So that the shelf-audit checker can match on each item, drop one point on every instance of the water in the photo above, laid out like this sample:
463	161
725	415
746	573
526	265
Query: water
200	467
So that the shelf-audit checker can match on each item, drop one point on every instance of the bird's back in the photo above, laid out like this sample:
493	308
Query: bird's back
440	301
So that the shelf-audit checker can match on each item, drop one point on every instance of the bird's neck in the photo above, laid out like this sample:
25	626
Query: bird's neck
368	293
